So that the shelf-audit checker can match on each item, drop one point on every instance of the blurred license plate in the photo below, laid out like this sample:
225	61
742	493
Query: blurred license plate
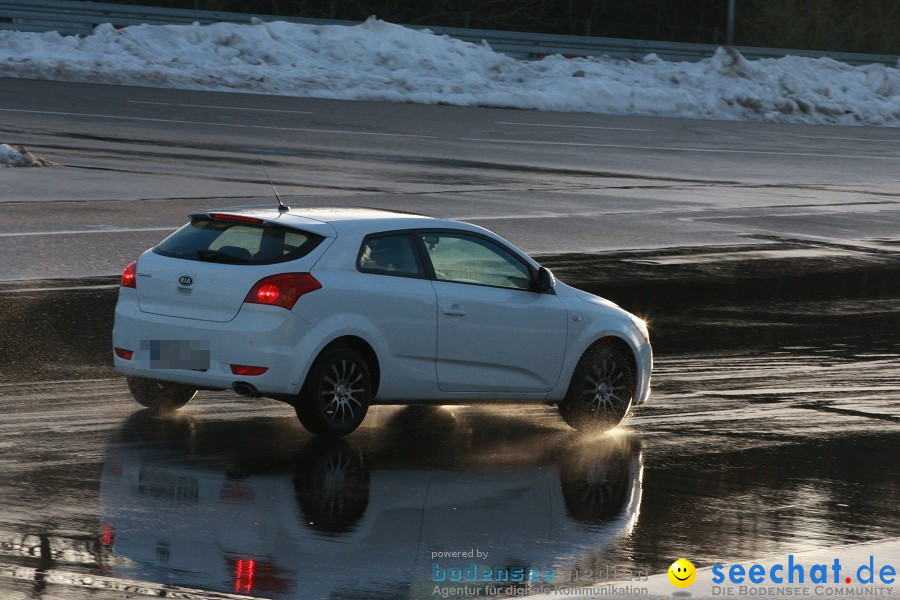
177	354
159	484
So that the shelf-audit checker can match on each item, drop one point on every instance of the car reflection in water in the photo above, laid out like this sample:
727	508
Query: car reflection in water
260	508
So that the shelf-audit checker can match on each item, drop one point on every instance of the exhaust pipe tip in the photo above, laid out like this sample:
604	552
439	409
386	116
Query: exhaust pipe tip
245	389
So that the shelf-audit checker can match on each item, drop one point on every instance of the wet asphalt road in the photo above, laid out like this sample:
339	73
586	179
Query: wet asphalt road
764	257
132	162
773	428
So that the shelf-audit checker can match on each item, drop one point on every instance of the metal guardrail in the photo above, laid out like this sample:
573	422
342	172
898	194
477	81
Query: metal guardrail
541	44
73	17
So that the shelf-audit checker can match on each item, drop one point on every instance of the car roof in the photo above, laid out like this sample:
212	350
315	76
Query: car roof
331	221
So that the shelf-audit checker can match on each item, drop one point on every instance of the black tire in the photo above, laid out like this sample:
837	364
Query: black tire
601	390
596	479
332	486
336	396
160	396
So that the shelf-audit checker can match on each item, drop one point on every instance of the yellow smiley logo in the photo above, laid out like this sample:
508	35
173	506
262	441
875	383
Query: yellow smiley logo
682	573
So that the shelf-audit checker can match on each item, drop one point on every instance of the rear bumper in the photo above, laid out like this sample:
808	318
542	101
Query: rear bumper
259	336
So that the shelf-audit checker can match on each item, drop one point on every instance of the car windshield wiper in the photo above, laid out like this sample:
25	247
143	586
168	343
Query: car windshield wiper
221	257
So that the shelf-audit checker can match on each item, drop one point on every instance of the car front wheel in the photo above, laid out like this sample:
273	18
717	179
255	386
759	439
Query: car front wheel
160	396
336	396
601	390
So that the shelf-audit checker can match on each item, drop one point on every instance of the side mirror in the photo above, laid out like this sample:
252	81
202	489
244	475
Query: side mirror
545	281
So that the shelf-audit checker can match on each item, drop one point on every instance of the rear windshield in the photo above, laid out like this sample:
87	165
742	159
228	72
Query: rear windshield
238	243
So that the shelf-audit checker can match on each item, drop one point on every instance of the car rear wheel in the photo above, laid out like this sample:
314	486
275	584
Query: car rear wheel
160	396
337	393
601	390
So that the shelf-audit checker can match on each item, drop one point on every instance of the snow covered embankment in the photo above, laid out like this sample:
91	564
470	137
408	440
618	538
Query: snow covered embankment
381	61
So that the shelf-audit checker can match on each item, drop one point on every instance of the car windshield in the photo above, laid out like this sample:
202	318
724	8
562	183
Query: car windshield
237	242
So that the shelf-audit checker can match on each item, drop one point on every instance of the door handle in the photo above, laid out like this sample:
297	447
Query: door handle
454	311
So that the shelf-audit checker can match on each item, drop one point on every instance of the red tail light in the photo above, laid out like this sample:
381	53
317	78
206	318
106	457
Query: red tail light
282	290
247	370
244	571
129	275
107	534
261	576
123	353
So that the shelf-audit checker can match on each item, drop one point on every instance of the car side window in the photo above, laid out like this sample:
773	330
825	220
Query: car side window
392	254
462	258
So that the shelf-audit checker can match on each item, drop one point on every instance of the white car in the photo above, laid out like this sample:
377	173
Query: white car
332	310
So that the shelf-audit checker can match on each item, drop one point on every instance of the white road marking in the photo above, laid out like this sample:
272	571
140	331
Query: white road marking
571	126
848	139
276	110
81	231
306	129
553	215
683	149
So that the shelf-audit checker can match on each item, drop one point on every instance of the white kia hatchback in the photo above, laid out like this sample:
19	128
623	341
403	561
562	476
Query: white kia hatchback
332	310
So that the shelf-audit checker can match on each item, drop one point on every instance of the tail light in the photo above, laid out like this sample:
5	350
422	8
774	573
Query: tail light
244	571
282	290
129	275
261	576
107	534
123	353
248	370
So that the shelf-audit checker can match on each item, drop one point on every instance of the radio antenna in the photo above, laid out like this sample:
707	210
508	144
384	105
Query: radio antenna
281	205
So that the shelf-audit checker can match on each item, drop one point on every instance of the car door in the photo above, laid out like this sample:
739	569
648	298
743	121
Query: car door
494	333
394	292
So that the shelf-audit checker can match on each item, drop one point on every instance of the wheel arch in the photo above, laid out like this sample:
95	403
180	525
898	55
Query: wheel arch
359	345
595	377
621	344
614	337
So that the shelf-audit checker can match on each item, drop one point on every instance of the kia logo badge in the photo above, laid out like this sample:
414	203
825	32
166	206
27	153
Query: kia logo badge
185	280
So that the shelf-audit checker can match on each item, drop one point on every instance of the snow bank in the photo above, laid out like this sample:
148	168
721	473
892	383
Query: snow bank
19	156
381	61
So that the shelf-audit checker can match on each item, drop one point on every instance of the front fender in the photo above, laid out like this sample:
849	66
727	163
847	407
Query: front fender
590	334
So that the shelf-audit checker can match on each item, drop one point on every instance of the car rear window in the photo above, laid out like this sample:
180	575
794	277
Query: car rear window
240	243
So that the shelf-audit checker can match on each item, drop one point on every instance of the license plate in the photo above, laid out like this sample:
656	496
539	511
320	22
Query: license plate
176	354
159	484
